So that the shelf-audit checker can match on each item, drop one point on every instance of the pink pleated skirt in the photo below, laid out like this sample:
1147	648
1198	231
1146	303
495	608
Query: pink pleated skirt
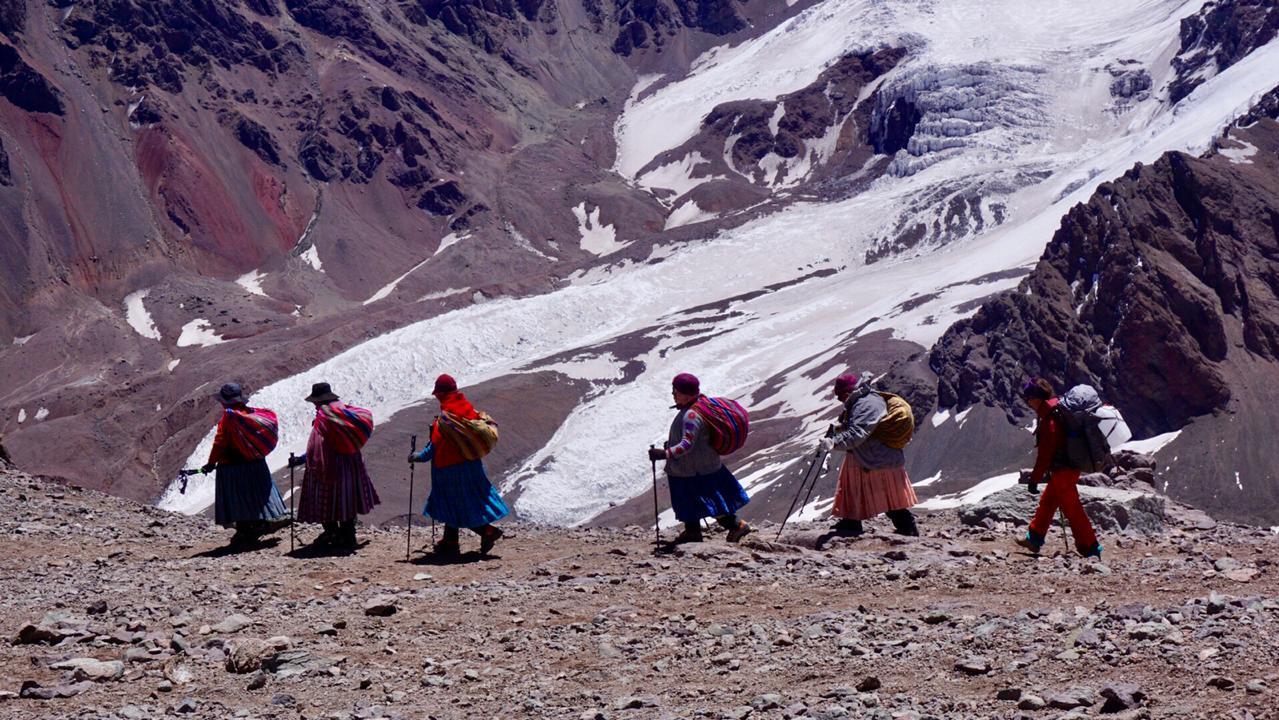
863	494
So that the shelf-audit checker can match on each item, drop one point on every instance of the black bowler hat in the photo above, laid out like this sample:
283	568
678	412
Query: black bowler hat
231	394
321	393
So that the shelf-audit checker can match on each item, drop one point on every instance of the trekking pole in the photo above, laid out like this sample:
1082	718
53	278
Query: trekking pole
293	524
657	532
428	499
798	491
1061	515
812	485
408	541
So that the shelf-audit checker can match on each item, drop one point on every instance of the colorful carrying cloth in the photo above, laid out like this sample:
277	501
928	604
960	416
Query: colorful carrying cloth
346	427
862	494
336	486
462	496
244	434
473	438
711	495
253	432
447	451
728	422
244	492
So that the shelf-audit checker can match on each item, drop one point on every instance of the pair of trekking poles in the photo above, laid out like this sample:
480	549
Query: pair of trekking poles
809	479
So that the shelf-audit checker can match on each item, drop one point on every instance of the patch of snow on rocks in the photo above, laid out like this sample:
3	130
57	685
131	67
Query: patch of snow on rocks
973	494
43	413
312	257
597	238
199	332
252	282
687	214
1239	155
677	176
138	316
450	240
390	287
1152	445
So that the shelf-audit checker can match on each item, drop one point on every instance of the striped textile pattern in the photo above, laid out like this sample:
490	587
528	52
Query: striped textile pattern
253	432
728	421
346	427
473	438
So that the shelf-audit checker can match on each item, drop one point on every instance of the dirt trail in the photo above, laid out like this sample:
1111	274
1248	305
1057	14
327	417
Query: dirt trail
589	623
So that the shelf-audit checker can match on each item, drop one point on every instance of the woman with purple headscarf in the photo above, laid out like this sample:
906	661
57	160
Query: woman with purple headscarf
701	486
873	478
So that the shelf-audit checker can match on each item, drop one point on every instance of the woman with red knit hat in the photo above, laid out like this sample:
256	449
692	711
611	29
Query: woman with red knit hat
701	486
873	477
461	494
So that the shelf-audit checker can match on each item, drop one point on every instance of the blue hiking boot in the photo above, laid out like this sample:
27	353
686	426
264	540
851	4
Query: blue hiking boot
1095	552
1032	542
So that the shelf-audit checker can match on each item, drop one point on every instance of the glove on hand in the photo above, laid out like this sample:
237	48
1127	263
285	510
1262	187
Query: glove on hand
826	444
208	468
655	454
412	458
297	461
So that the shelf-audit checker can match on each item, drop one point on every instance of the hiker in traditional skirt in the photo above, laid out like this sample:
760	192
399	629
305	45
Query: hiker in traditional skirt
701	486
461	494
1052	466
335	487
873	478
245	496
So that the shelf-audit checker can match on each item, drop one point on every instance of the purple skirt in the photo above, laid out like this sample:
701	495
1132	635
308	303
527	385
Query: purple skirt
339	493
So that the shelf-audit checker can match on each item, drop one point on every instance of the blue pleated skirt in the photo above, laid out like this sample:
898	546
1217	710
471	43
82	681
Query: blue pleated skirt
244	492
462	496
703	496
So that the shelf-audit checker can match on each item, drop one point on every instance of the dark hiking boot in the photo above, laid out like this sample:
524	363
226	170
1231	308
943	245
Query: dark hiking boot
328	537
689	535
848	527
489	538
904	523
739	532
1032	542
447	548
1093	552
346	536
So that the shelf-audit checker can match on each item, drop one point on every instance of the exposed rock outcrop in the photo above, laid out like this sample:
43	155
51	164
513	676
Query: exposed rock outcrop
6	175
1181	255
646	23
24	86
1173	255
13	17
1218	36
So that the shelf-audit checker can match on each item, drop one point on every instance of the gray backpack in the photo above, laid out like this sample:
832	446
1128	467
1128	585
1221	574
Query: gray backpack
1093	429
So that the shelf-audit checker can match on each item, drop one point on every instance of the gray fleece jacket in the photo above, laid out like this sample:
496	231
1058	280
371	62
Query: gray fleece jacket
862	412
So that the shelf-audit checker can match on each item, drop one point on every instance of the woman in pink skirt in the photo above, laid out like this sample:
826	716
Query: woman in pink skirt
873	478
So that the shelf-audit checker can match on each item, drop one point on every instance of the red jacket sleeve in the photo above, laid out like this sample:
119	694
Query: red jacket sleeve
218	453
1049	439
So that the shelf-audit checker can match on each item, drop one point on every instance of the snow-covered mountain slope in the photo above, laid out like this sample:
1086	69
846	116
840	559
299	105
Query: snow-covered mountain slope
1012	120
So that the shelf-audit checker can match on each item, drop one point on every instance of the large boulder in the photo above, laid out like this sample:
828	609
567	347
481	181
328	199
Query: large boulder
1109	509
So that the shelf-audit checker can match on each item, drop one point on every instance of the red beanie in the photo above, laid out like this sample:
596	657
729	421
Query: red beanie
444	384
845	384
687	383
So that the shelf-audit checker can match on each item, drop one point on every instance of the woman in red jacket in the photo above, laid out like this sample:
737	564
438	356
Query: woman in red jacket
1063	480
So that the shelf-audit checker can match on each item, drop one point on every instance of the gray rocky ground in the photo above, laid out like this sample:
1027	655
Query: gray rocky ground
115	610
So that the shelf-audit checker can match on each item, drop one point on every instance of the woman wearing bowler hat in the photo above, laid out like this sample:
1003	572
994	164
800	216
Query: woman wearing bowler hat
336	486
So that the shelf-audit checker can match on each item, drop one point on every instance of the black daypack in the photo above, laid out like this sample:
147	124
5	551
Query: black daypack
1086	447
